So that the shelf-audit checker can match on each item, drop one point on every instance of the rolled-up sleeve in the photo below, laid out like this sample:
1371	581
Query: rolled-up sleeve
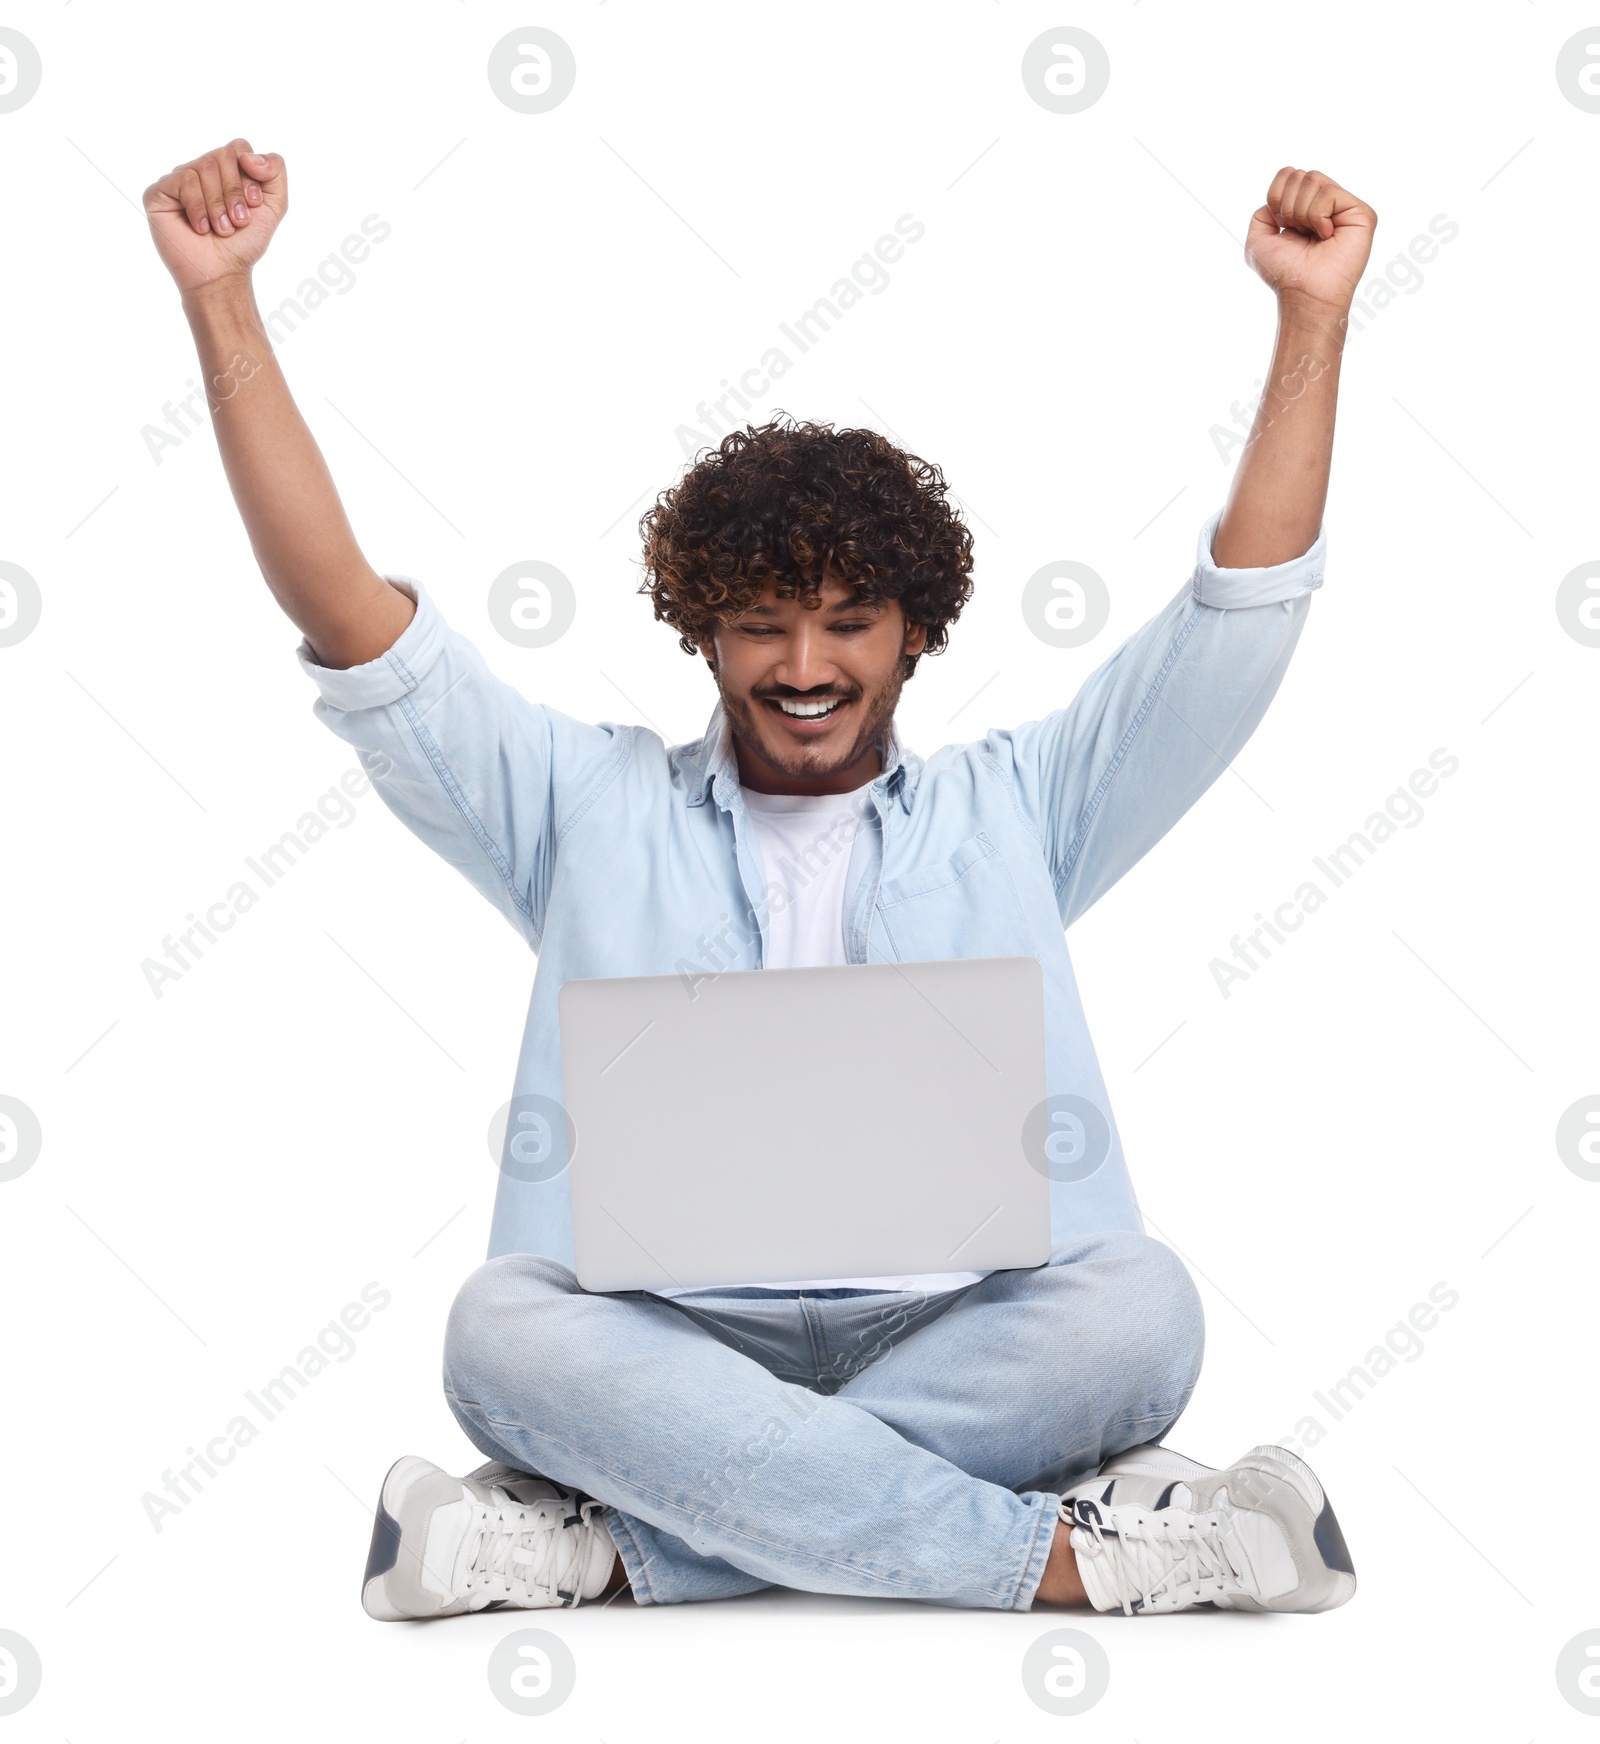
1229	589
465	761
1104	779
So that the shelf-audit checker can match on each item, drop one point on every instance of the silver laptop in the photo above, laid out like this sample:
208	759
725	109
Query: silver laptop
858	1121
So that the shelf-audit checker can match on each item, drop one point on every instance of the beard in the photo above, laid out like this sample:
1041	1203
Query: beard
807	761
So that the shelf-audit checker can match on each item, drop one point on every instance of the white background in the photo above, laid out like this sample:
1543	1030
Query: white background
305	1111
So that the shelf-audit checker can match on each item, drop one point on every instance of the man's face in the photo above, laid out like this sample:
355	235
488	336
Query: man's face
781	657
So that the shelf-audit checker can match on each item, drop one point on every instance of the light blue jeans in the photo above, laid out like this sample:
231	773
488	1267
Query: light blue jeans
866	1442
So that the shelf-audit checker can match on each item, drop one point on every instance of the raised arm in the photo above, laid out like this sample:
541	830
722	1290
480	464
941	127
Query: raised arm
1309	241
1104	779
211	220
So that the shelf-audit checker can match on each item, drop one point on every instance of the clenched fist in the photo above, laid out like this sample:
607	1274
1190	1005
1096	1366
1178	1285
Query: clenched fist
213	217
1310	241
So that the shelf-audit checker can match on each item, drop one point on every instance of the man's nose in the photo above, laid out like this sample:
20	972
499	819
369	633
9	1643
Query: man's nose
805	662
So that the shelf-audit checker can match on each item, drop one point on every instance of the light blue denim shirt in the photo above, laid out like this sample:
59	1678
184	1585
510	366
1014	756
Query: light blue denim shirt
612	853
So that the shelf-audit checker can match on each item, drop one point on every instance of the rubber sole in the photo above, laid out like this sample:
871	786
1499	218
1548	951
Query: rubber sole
1336	1584
391	1588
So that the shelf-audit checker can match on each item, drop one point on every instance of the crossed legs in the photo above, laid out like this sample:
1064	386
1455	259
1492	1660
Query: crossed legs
870	1444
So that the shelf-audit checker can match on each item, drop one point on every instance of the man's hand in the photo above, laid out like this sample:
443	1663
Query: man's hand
1310	241
213	217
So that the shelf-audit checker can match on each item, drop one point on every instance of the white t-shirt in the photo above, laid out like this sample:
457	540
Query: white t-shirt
805	842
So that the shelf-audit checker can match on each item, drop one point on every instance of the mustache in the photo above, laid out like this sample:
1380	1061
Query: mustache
804	695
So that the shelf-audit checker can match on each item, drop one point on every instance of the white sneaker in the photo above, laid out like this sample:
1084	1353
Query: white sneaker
443	1545
1154	1531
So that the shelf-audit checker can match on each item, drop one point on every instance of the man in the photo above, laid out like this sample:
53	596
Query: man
963	1439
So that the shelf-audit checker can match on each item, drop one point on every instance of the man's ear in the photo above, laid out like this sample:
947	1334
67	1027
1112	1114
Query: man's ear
916	639
708	650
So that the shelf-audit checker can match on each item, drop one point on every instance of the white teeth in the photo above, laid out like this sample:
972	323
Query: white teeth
807	710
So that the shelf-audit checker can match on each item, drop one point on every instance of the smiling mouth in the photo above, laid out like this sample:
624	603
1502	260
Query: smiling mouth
801	710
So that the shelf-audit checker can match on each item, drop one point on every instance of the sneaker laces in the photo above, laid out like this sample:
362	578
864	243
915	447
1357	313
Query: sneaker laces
533	1552
1143	1555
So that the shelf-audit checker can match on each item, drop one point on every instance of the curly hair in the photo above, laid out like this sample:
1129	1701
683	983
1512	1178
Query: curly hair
783	501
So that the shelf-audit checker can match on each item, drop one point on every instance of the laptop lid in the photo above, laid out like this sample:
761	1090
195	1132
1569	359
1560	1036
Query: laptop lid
851	1121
